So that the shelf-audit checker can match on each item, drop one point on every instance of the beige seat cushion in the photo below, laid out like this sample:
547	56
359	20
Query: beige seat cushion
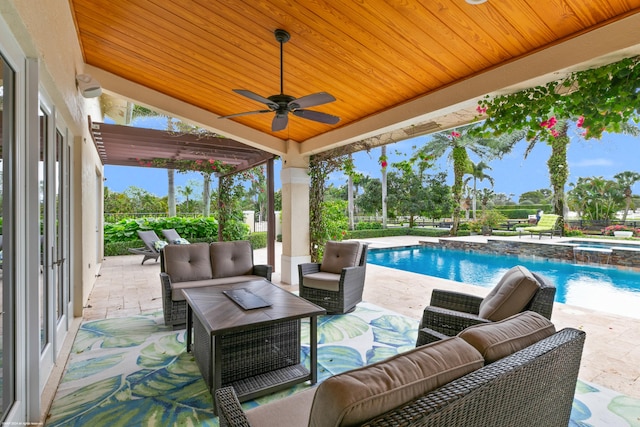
359	395
338	255
322	280
499	339
292	411
510	296
231	258
177	287
187	262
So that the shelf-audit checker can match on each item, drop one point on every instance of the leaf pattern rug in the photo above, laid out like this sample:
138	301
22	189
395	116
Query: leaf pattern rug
135	372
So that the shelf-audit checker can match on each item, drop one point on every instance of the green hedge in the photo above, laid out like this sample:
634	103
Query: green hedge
398	231
258	241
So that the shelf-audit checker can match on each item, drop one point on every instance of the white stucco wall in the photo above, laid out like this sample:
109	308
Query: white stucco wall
46	31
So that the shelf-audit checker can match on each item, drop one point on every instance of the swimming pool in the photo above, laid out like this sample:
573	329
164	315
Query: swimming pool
600	288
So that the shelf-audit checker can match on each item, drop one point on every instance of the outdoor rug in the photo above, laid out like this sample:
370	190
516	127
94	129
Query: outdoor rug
135	372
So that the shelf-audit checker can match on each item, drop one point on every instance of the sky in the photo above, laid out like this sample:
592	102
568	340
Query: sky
513	175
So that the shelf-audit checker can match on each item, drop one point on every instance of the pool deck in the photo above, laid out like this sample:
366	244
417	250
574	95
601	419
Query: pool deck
611	356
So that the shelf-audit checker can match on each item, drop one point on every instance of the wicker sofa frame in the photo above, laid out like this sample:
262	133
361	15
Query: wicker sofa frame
175	312
351	286
534	386
449	313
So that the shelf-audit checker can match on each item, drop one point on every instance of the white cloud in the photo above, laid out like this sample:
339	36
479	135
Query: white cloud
588	163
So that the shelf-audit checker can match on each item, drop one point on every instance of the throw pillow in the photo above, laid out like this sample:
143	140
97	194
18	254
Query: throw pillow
499	339
510	296
355	396
159	244
181	241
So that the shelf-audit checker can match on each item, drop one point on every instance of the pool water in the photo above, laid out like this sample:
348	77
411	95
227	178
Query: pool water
599	288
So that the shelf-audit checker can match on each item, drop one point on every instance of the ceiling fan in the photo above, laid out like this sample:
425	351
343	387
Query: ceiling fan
283	104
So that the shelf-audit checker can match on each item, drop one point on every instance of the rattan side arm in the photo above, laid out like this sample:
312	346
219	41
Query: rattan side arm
230	413
263	270
456	301
165	280
352	283
448	322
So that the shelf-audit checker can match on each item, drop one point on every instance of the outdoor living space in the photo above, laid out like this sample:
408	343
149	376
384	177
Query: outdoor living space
611	356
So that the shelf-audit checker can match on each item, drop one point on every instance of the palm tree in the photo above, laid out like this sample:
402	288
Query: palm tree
476	170
186	191
459	141
627	180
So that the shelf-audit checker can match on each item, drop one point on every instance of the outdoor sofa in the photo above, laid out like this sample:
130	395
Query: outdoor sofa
203	264
515	372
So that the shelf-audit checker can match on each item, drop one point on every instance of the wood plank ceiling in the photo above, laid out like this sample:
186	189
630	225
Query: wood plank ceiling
371	55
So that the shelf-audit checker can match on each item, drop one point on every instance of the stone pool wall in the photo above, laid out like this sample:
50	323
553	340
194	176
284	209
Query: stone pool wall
622	257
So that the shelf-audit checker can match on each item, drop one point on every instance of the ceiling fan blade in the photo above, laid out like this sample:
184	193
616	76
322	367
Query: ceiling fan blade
256	97
311	100
317	116
279	122
246	113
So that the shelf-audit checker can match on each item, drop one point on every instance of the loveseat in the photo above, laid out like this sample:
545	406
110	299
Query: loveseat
203	264
514	372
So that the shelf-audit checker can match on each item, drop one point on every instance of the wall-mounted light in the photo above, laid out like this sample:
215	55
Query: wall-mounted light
476	1
89	87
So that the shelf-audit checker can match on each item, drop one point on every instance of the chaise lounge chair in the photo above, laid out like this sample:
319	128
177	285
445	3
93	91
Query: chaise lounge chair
548	224
150	251
173	238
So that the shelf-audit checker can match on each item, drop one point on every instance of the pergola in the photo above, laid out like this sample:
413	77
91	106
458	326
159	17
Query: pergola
120	145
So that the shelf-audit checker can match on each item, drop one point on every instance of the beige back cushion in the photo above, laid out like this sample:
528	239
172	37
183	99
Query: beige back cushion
510	296
499	339
338	255
231	258
187	262
359	395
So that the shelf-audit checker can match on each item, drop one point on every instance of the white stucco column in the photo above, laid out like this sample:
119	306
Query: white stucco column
295	219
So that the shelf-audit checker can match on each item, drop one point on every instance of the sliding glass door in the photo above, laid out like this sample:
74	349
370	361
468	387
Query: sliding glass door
7	238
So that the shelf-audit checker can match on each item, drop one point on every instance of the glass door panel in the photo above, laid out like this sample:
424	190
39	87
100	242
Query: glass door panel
7	281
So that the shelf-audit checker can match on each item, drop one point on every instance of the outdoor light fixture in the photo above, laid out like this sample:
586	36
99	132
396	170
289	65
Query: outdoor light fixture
475	1
89	87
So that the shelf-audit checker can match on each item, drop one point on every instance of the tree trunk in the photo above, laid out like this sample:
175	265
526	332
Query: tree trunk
559	172
206	195
171	192
350	201
384	189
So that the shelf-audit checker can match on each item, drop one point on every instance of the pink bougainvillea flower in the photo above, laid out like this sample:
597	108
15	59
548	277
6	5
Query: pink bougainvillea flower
455	134
580	121
481	110
383	163
552	122
555	133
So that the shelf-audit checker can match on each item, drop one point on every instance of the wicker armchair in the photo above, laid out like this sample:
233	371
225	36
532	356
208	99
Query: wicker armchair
337	283
449	313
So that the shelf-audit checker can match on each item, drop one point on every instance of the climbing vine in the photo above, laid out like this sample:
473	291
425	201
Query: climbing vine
319	170
598	100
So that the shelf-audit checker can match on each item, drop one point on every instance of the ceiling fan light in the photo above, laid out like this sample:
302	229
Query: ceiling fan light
476	1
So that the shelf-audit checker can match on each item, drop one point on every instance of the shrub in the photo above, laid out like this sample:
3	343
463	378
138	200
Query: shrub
368	226
258	240
608	231
572	231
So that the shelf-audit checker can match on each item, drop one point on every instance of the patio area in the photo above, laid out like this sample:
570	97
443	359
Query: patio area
611	356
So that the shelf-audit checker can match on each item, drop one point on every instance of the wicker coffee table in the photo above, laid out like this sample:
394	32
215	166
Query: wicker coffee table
256	351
